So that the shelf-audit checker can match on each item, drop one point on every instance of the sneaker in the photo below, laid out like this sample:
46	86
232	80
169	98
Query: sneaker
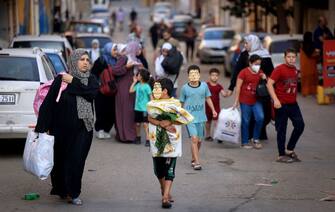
197	167
284	159
147	143
246	146
107	135
100	134
76	201
257	145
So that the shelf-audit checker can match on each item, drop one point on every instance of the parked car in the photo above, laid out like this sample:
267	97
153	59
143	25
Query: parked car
100	6
236	47
178	25
21	72
162	11
84	40
57	60
43	41
214	43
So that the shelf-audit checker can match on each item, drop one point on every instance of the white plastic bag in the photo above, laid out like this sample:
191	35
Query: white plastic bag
228	126
38	156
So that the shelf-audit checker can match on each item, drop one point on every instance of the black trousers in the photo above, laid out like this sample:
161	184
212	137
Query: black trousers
292	112
189	47
104	112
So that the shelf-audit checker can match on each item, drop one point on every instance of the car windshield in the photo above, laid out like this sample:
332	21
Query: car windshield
86	27
56	62
18	69
219	34
59	45
86	42
281	46
179	24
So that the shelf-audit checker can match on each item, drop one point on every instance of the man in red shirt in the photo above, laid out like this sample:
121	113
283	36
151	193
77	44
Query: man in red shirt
282	86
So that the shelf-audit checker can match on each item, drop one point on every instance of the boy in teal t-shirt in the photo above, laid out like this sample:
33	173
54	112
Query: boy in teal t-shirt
143	92
194	95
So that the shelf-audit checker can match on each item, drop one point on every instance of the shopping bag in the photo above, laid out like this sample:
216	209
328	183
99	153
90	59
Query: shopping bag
228	127
38	155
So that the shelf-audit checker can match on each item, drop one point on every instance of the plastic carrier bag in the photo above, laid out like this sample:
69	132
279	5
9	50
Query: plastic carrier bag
228	127
38	156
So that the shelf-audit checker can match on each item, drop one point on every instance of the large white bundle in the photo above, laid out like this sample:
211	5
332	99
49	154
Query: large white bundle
228	126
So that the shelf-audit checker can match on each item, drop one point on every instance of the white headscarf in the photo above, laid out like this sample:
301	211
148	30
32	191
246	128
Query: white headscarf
256	46
121	47
167	46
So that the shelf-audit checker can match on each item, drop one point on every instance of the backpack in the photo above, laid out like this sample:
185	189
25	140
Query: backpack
42	92
173	62
108	83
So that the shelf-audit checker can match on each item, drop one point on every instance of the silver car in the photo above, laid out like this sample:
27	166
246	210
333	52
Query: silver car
214	43
21	72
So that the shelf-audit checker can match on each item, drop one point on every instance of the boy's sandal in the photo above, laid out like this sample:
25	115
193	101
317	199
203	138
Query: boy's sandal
171	199
166	203
284	159
192	163
294	156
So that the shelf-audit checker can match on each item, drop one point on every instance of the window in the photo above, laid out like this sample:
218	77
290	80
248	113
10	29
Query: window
86	42
219	34
281	46
56	62
18	69
48	68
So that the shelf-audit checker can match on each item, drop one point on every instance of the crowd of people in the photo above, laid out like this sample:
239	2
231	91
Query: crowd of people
113	88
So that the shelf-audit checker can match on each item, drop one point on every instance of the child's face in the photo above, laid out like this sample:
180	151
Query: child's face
165	52
139	77
213	77
157	90
194	75
290	58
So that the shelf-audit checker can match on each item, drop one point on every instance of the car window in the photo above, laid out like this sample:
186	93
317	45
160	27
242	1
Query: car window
281	46
86	27
56	62
59	45
219	34
86	42
48	68
19	69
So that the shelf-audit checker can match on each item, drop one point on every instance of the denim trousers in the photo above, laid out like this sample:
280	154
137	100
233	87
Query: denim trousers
247	111
292	112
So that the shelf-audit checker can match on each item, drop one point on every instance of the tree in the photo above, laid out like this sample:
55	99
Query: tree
243	8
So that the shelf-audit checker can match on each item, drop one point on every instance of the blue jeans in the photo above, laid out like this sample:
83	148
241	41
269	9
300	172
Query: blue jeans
292	112
247	110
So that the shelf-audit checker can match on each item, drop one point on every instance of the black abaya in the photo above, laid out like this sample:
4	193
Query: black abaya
72	140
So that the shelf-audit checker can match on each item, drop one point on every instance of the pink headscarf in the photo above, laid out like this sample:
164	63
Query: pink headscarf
133	47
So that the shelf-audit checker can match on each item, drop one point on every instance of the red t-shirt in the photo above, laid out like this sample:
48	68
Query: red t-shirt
215	91
249	85
286	83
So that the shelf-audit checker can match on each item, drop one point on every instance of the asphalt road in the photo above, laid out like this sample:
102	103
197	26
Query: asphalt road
119	177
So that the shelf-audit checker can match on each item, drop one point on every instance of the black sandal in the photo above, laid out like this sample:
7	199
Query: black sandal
294	157
284	159
166	204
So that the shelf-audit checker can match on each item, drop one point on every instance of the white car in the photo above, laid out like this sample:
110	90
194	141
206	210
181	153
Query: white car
43	41
214	43
162	11
22	71
57	60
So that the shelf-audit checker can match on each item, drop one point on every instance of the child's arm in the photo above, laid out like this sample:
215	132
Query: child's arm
210	104
224	93
131	89
163	124
238	91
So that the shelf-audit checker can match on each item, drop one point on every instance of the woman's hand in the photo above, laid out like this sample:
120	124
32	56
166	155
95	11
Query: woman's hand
129	65
67	78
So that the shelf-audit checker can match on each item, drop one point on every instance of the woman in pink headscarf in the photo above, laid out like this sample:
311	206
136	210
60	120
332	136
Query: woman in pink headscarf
124	71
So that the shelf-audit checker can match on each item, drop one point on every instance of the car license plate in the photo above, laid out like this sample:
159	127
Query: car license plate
7	99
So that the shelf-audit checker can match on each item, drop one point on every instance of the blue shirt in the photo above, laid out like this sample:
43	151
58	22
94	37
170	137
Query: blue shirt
194	99
143	92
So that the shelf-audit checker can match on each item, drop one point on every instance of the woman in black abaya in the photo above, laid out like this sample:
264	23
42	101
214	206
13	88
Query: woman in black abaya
71	122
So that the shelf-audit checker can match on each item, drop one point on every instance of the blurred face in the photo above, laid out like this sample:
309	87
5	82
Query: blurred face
194	75
247	46
213	77
95	45
84	63
114	52
290	59
255	66
157	90
139	77
166	36
165	52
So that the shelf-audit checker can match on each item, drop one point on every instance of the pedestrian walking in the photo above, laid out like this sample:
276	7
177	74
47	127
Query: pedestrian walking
321	33
165	116
167	38
193	95
95	51
190	34
153	33
105	102
309	57
120	15
253	45
247	81
125	101
133	15
216	89
142	90
71	122
284	95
